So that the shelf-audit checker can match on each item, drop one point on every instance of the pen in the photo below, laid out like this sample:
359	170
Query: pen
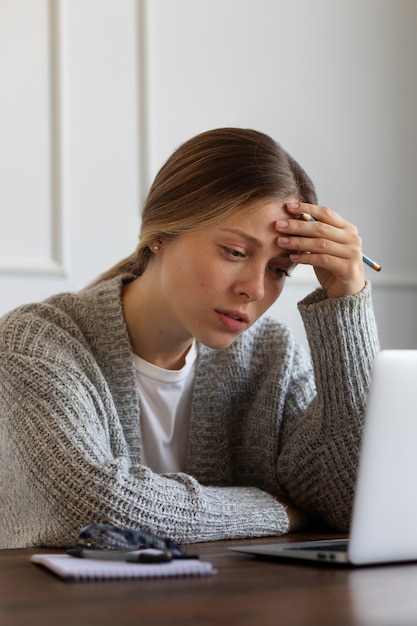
142	556
373	264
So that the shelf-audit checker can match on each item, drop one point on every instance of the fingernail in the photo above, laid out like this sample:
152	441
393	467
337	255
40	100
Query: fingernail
293	205
282	224
283	240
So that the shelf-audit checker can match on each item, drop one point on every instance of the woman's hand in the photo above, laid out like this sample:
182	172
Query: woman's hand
297	518
330	244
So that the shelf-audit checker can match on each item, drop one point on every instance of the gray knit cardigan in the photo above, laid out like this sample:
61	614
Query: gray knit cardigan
264	421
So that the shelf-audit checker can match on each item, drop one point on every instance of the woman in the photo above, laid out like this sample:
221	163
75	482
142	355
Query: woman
160	398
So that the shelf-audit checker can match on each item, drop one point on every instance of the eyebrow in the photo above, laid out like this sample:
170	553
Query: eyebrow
253	240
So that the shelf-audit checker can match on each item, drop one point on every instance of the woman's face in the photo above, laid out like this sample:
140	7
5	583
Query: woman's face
218	281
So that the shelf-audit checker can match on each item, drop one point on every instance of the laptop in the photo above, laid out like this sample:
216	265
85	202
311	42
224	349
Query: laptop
384	519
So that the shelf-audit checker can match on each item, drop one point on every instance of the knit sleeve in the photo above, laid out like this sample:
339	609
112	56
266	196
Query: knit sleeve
65	463
320	447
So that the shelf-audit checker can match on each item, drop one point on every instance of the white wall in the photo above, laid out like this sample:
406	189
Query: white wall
116	85
69	149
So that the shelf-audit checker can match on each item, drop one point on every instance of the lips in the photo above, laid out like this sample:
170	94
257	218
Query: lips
233	320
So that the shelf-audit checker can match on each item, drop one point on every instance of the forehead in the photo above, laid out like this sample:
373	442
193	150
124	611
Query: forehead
265	206
254	220
257	216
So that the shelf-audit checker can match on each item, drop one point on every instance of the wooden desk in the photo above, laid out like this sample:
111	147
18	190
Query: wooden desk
245	592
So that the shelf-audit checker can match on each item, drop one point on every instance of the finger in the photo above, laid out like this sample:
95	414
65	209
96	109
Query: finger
317	246
292	232
330	262
336	276
320	213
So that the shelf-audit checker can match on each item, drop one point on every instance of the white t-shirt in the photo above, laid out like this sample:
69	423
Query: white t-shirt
165	409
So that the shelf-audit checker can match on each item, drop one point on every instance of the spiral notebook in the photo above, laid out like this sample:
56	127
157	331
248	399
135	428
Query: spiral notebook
73	569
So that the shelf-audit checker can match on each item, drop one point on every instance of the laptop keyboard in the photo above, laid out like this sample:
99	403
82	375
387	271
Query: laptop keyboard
331	546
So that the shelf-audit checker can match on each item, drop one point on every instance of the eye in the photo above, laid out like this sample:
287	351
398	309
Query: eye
280	273
235	254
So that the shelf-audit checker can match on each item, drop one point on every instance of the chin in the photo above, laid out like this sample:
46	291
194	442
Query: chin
216	344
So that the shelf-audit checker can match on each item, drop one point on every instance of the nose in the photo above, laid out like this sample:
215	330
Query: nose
251	284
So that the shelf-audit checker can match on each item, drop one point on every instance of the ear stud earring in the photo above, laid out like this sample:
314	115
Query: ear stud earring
156	248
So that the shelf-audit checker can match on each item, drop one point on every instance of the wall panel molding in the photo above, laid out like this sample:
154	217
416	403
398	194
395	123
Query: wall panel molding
143	78
384	279
31	219
380	282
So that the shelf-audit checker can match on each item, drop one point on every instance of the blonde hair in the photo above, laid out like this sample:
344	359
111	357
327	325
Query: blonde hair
208	178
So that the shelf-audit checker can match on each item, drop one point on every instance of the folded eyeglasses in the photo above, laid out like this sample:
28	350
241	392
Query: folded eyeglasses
107	537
